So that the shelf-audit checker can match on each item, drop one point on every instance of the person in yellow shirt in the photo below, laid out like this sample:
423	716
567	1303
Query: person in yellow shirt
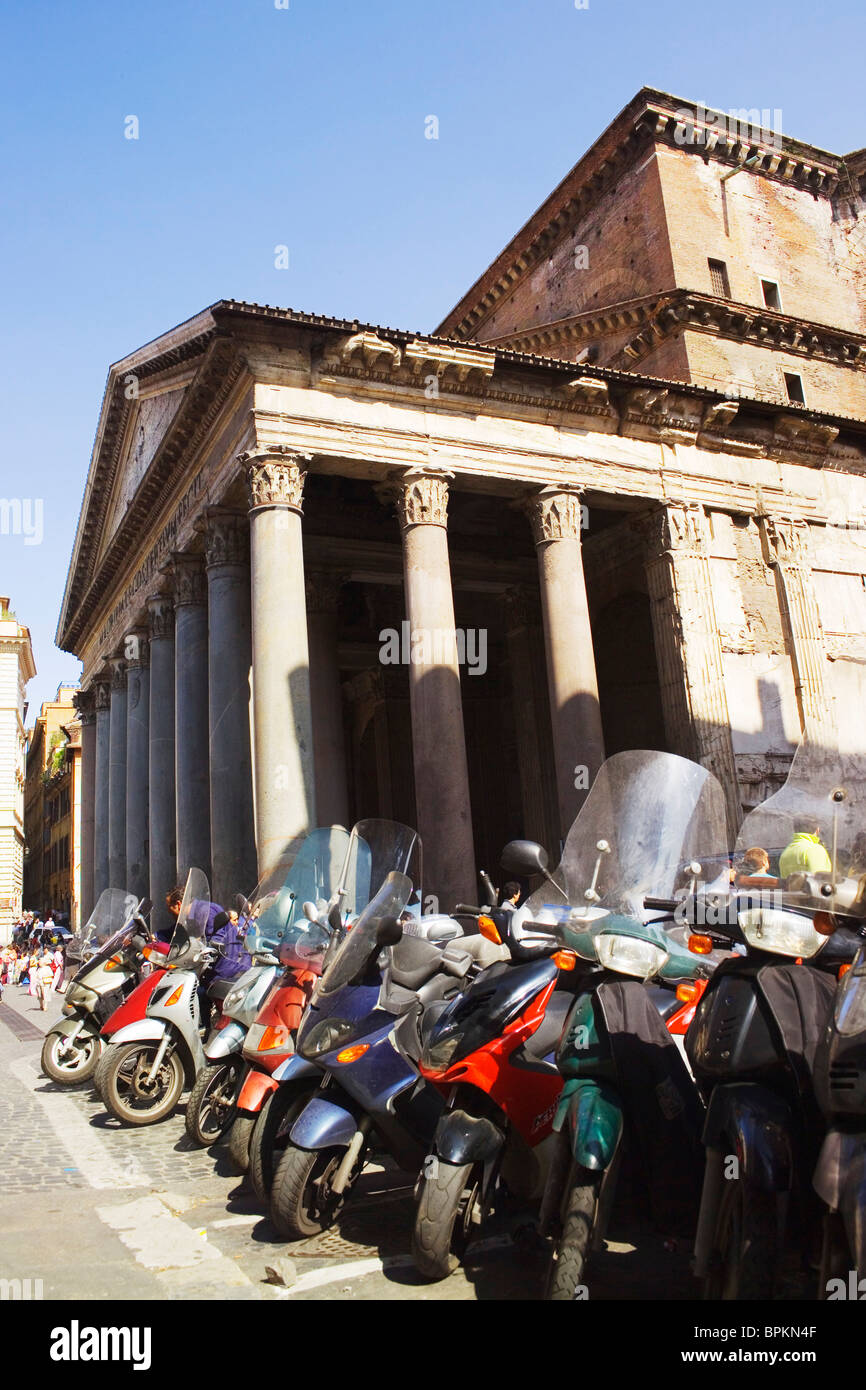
805	854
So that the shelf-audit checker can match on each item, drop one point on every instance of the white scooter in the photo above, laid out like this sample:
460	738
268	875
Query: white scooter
154	1058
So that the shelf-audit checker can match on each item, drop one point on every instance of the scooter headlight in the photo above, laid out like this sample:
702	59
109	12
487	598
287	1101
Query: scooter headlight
782	933
629	955
851	1002
325	1036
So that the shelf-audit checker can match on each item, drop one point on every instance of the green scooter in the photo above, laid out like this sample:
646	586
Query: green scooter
648	828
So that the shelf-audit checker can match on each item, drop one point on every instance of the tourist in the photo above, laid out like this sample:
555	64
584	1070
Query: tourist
804	853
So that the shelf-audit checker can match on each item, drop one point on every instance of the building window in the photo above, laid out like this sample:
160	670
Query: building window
770	291
794	388
719	279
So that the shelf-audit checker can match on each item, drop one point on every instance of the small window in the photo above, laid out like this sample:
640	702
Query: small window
719	279
794	387
770	292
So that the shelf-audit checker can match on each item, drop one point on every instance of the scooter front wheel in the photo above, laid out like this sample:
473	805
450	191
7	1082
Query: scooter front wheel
448	1210
240	1135
210	1109
130	1096
745	1249
567	1272
303	1203
73	1063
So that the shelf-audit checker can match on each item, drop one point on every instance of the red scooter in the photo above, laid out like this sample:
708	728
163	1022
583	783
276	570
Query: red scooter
134	1007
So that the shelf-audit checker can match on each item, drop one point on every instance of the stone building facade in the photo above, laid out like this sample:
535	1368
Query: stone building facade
16	669
52	807
282	513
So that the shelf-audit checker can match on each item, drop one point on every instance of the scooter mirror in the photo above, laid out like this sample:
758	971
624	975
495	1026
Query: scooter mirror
309	911
335	921
524	857
388	932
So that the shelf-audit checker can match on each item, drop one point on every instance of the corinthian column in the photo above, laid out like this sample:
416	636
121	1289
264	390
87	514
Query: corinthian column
192	781
232	832
332	796
137	729
283	767
438	744
786	551
117	777
575	716
85	705
100	800
689	648
161	795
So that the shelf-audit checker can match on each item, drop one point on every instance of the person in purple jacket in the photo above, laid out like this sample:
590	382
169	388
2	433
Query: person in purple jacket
228	935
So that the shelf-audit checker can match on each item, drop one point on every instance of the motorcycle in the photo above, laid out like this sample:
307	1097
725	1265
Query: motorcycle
109	951
753	1043
554	1130
153	1059
361	1035
290	919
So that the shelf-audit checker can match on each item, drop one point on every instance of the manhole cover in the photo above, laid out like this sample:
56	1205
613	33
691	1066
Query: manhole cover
23	1029
331	1243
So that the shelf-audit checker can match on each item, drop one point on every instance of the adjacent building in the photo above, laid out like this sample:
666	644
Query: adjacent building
16	669
639	530
52	808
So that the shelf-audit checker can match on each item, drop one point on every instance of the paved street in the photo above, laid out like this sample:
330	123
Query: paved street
98	1211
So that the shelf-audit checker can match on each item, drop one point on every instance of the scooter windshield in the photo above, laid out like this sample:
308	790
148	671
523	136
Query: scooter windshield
652	824
109	917
360	943
192	919
808	841
274	909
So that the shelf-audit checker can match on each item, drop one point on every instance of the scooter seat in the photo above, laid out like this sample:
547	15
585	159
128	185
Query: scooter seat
414	961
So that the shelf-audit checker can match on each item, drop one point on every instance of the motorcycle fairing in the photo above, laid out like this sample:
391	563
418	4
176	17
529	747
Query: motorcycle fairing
754	1124
229	1040
464	1138
323	1125
257	1086
134	1005
593	1112
840	1181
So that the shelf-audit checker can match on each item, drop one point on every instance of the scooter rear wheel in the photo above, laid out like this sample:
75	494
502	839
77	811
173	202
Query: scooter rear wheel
128	1095
76	1064
210	1109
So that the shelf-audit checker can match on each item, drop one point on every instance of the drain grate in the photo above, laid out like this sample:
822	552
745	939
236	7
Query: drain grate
331	1243
23	1029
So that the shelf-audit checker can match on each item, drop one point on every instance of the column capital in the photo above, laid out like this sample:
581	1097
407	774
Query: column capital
190	585
118	673
160	612
785	539
102	697
227	537
136	648
85	706
421	495
275	477
322	588
555	514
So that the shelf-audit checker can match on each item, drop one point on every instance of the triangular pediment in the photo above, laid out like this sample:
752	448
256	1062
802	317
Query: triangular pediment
149	420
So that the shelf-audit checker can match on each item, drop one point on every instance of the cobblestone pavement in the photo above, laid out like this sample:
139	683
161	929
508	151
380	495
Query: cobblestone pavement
97	1210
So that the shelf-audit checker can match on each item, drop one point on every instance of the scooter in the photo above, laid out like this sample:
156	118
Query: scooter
752	1045
289	917
153	1059
361	1034
513	1114
109	952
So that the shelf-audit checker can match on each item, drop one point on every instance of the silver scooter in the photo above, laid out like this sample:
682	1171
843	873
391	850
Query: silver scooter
153	1059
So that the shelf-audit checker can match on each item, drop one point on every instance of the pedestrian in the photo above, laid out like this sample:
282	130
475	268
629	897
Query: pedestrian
44	980
804	854
510	896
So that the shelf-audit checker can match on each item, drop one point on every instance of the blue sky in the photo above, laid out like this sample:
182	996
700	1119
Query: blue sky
305	126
